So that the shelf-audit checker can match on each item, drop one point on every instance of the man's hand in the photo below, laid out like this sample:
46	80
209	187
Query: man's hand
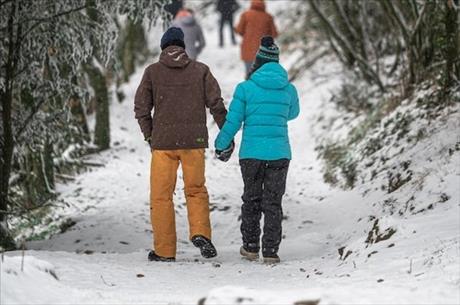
224	155
149	140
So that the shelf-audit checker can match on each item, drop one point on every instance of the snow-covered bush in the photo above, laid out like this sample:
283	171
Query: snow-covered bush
398	151
401	87
44	48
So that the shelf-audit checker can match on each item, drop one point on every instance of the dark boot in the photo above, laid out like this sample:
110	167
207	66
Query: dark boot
270	256
153	257
207	249
250	251
270	260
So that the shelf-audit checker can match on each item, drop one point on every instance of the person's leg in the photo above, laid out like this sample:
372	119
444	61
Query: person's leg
274	188
163	173
232	31
253	173
221	30
193	167
196	194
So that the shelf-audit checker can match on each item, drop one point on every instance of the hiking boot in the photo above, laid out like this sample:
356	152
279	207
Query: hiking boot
153	257
249	255
272	259
207	249
270	256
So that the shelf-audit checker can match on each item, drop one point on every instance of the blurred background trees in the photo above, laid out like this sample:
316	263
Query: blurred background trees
390	51
59	61
378	38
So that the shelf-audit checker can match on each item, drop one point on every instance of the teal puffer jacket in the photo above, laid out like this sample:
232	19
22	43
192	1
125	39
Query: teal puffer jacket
264	103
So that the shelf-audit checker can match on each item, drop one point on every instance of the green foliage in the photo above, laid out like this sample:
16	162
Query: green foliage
352	99
339	164
6	240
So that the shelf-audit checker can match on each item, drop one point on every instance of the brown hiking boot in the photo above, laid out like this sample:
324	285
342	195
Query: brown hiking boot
252	256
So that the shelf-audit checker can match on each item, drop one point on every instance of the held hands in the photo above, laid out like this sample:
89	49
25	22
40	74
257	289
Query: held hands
224	155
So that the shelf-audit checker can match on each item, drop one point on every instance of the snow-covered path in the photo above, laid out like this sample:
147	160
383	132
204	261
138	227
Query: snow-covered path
103	258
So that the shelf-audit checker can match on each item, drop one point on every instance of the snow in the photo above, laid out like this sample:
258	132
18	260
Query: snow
103	258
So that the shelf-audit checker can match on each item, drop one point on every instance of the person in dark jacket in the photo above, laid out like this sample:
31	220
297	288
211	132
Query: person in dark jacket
226	8
178	90
264	103
174	7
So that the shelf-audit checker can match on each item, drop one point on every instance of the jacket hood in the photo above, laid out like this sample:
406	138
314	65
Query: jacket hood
270	76
174	57
258	5
185	21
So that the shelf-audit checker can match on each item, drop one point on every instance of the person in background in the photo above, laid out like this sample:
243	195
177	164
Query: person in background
264	103
174	7
178	90
194	38
226	8
253	25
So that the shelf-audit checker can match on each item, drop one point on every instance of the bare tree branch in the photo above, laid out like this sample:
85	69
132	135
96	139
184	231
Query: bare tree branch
345	19
40	21
399	18
418	24
5	2
365	67
413	4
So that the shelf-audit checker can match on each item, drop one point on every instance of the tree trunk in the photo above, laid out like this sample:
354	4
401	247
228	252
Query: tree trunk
98	82
79	116
132	49
48	164
102	130
7	140
128	58
6	241
452	48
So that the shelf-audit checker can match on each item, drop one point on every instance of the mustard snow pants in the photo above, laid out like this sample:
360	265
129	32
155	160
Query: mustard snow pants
163	175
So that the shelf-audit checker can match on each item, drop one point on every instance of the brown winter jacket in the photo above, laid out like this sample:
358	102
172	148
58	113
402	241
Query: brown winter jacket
253	25
179	90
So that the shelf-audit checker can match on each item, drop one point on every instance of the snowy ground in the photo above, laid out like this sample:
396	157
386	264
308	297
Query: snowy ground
103	258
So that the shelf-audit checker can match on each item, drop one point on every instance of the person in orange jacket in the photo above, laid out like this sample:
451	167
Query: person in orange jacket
254	24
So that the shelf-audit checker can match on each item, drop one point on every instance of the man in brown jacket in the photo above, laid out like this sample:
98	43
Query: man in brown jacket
178	90
254	24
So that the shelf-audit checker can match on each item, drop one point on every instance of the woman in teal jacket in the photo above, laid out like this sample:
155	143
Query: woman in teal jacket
264	103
